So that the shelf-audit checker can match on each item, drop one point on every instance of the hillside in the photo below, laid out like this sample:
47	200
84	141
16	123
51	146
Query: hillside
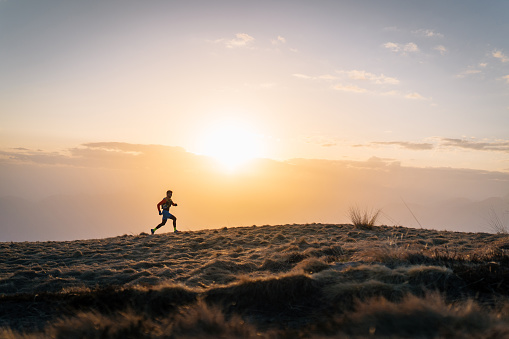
310	280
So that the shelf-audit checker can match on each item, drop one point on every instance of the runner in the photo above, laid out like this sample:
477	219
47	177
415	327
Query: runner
166	203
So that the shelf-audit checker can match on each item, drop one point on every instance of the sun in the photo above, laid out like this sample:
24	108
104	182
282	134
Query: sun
231	143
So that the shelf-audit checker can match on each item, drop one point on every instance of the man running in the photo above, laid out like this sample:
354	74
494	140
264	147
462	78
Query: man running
166	203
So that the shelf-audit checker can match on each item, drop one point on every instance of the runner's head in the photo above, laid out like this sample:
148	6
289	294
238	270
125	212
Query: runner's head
169	193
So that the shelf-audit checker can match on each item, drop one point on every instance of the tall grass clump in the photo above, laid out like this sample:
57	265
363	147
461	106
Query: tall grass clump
363	218
498	223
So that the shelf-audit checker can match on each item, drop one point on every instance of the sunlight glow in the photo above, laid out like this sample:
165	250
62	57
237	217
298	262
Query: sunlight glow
232	144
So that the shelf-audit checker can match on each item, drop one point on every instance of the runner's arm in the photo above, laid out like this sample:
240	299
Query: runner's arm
159	205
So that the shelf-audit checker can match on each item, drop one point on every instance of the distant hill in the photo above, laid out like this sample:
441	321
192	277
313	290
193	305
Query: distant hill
457	214
100	190
68	217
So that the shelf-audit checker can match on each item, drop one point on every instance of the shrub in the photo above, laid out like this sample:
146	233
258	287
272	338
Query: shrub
363	218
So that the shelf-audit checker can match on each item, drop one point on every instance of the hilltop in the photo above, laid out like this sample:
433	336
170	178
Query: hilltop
312	280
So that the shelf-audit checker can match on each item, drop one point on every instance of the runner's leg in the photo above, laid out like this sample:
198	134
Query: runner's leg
161	224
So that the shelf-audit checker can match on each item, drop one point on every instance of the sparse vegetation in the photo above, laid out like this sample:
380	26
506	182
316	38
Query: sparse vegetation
288	281
498	223
363	218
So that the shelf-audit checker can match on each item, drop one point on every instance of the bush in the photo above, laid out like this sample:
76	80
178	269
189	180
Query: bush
363	218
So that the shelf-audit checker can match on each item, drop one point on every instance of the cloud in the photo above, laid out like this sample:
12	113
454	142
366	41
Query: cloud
499	55
488	146
410	47
468	72
320	77
327	77
279	40
404	144
240	40
392	46
441	49
408	145
98	155
393	93
303	76
472	70
415	96
429	33
322	141
506	78
350	88
357	89
361	81
354	74
24	155
498	146
376	79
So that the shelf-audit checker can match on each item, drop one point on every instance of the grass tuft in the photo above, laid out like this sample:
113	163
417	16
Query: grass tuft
364	219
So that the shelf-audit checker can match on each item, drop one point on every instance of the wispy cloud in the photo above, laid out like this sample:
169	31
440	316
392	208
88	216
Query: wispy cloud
506	78
392	46
25	155
373	78
415	96
322	141
420	35
468	72
409	145
472	70
429	33
303	76
357	75
240	40
441	48
473	145
499	145
327	77
361	81
350	88
500	55
403	144
100	155
410	47
279	40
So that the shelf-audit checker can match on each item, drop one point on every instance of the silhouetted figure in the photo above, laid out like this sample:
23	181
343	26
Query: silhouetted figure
166	203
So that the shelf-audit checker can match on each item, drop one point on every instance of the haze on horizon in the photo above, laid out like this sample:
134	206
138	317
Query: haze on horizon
252	112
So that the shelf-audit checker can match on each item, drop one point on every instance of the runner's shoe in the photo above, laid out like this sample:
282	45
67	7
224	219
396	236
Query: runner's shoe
152	230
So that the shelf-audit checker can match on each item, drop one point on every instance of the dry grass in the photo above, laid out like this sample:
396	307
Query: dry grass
498	223
287	281
363	218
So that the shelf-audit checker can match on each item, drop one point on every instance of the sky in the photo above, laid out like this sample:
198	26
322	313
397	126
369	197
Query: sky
416	85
